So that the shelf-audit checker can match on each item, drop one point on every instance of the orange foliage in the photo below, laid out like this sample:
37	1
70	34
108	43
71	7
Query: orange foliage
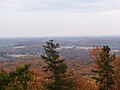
117	73
85	83
95	53
37	82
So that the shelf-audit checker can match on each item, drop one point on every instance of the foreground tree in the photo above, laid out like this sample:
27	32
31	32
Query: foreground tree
57	68
21	77
117	73
16	80
4	80
105	69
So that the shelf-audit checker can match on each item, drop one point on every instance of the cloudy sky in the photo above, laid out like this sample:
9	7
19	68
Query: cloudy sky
25	18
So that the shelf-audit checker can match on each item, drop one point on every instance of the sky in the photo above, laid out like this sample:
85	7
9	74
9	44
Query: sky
38	18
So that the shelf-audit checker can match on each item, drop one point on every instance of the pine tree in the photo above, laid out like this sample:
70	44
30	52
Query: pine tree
4	80
16	80
20	77
57	67
105	69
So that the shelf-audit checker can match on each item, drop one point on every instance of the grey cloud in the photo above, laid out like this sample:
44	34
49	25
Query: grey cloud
75	5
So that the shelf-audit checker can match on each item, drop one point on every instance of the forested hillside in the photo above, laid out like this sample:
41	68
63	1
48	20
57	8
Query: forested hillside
50	70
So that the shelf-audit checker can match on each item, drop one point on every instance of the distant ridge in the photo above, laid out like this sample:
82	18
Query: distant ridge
80	36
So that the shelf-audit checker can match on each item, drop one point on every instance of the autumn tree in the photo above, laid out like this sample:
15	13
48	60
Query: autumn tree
85	83
56	67
117	73
105	69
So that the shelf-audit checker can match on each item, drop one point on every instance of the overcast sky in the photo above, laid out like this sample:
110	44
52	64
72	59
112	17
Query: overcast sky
25	18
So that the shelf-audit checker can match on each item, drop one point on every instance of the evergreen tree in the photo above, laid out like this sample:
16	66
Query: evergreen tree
57	68
105	69
16	80
4	80
20	78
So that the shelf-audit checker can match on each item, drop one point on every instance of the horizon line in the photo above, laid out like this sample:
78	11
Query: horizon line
60	36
